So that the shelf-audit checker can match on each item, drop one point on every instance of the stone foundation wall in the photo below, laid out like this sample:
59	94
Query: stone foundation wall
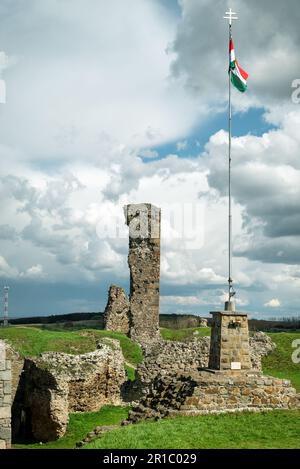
5	398
214	392
169	358
236	391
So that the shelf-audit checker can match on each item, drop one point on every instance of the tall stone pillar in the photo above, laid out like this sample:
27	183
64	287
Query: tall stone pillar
144	263
229	344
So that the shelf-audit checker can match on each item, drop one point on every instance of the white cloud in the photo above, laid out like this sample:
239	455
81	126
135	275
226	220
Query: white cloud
182	300
36	271
274	303
6	61
265	182
180	146
6	270
146	153
100	84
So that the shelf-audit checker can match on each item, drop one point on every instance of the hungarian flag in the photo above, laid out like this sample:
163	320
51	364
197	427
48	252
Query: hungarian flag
237	74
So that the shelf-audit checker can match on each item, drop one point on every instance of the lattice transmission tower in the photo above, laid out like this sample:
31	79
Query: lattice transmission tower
5	306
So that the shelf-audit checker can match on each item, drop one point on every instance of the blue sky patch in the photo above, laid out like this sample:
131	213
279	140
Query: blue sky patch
250	122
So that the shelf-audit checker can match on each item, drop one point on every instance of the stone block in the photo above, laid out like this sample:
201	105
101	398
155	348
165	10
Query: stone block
5	433
5	375
7	387
3	444
7	399
5	412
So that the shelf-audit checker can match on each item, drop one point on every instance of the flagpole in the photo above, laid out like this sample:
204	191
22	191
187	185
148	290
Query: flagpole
229	305
229	185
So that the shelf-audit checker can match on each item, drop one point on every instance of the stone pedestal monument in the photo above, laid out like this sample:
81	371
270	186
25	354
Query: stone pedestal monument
229	345
144	263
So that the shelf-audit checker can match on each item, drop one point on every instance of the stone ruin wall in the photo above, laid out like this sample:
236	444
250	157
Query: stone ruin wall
5	398
239	391
116	314
138	317
55	384
207	392
144	263
168	357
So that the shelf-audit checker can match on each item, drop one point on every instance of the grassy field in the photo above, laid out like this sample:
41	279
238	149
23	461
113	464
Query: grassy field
80	425
277	429
279	363
31	341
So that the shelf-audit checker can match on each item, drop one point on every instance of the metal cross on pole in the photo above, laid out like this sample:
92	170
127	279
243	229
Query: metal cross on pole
230	15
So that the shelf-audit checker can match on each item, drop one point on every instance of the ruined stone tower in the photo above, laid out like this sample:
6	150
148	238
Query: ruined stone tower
144	264
229	344
116	314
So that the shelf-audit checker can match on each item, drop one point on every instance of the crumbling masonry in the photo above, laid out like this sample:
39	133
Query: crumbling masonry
5	398
230	384
139	316
143	221
56	384
116	314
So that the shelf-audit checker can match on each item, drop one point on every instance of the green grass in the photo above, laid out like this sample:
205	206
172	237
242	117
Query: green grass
130	372
183	334
279	363
277	429
31	341
80	425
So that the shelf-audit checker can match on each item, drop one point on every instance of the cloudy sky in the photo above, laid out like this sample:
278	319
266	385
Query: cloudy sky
125	101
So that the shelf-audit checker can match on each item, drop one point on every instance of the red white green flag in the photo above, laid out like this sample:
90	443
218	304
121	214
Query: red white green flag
238	76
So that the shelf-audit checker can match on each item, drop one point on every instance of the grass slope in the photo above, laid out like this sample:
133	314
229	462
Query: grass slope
277	429
279	363
31	341
80	425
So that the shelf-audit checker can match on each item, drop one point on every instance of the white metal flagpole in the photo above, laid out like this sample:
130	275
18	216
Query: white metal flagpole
229	305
